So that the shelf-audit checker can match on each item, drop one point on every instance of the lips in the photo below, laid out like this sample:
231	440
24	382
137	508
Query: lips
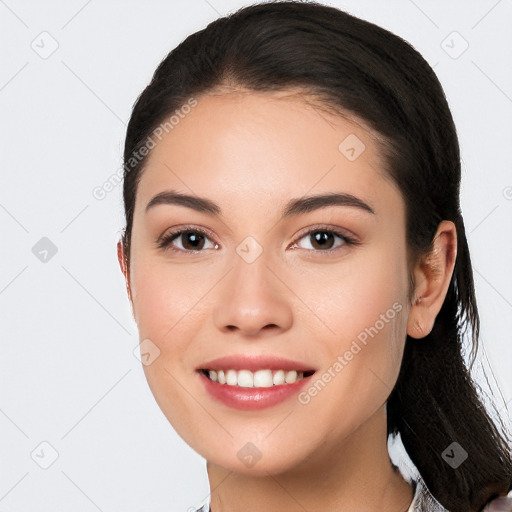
251	398
255	362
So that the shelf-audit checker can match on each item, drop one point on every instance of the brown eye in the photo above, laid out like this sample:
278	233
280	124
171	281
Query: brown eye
190	240
325	239
322	239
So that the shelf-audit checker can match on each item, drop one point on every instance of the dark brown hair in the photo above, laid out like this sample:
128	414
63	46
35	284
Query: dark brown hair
359	68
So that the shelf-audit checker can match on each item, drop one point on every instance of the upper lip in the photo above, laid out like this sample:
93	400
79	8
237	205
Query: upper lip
254	362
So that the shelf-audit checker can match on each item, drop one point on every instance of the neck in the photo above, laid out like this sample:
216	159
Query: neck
354	475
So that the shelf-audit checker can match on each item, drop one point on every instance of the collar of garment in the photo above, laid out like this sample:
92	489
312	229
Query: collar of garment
422	500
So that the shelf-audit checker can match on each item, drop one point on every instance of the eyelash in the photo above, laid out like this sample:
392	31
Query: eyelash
165	241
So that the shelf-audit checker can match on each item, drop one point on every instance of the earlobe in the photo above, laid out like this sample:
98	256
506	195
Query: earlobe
433	275
416	328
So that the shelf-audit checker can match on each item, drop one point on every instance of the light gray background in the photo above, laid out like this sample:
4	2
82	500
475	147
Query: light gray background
68	373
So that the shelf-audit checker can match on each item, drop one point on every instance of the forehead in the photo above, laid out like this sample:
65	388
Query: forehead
248	149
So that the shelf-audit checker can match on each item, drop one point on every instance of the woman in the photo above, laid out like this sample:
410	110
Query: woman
297	265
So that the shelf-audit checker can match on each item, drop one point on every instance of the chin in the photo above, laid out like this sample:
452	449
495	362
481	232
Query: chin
250	461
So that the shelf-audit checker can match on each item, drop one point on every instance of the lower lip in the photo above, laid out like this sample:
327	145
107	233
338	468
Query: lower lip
250	399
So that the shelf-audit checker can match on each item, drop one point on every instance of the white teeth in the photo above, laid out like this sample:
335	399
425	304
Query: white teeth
231	378
260	378
279	377
245	379
263	378
291	376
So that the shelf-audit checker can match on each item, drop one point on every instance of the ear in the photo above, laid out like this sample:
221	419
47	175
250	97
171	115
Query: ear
432	277
125	270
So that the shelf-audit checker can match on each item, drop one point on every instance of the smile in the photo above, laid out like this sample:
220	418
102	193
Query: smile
260	378
246	390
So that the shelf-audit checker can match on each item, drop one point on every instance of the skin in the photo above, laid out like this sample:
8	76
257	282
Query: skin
251	153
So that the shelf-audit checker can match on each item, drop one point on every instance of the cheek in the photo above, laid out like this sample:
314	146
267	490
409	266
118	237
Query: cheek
171	306
353	295
166	297
362	363
363	304
170	312
377	314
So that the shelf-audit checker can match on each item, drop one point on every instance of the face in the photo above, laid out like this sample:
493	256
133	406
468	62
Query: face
324	285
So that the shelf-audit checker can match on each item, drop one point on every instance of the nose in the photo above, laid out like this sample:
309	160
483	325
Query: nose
253	301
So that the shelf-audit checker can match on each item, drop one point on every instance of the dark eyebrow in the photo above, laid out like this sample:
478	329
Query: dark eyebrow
311	203
293	207
199	204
